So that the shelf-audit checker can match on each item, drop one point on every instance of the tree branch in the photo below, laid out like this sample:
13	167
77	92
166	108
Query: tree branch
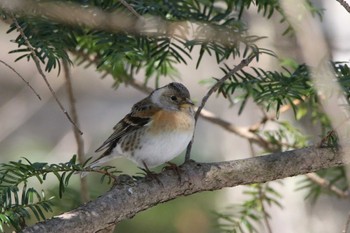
129	197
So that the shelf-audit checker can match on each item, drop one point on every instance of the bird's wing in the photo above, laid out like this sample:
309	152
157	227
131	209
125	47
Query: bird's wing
140	115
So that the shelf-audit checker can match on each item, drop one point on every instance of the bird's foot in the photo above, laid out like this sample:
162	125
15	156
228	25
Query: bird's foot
175	168
150	174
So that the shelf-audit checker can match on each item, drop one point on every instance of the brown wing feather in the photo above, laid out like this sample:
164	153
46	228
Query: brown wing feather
139	116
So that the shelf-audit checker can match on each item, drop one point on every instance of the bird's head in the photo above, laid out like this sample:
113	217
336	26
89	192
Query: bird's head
173	96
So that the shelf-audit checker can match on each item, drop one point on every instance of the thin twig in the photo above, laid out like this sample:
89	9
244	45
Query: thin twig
37	63
84	190
326	184
18	74
241	65
130	8
344	4
103	172
332	132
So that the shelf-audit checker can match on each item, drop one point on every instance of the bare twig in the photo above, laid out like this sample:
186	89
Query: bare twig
241	65
139	86
326	184
84	190
37	63
18	74
244	132
130	8
344	4
333	132
101	171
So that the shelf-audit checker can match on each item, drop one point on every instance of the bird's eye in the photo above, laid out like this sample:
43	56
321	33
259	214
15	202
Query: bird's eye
174	98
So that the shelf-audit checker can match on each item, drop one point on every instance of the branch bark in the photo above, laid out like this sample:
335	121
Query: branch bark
129	196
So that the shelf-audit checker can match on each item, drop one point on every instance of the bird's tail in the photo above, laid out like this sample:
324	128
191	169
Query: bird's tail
98	162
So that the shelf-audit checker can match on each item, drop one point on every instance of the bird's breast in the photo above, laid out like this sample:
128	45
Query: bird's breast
170	121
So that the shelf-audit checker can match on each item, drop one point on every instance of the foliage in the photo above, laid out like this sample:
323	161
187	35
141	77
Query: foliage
275	89
17	203
285	137
123	54
51	41
334	176
17	199
241	218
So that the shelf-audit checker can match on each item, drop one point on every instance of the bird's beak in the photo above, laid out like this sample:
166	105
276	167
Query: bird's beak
188	101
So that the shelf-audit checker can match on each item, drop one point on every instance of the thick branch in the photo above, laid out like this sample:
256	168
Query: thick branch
129	197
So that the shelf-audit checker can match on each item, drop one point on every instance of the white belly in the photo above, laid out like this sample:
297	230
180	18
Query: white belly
160	149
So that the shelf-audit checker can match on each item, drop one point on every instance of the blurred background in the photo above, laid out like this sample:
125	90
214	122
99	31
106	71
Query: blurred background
39	131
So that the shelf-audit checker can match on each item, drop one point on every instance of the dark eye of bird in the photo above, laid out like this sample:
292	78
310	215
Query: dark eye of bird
174	98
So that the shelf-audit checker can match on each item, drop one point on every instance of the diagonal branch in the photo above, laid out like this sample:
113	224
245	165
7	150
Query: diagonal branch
18	74
130	8
244	132
241	65
37	63
129	197
327	185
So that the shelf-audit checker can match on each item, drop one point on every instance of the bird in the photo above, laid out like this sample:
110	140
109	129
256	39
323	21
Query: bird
156	130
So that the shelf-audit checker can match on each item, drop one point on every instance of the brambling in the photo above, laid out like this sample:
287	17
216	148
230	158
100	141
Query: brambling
157	129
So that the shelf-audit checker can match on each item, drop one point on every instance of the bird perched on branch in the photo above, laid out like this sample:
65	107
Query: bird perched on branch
156	130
